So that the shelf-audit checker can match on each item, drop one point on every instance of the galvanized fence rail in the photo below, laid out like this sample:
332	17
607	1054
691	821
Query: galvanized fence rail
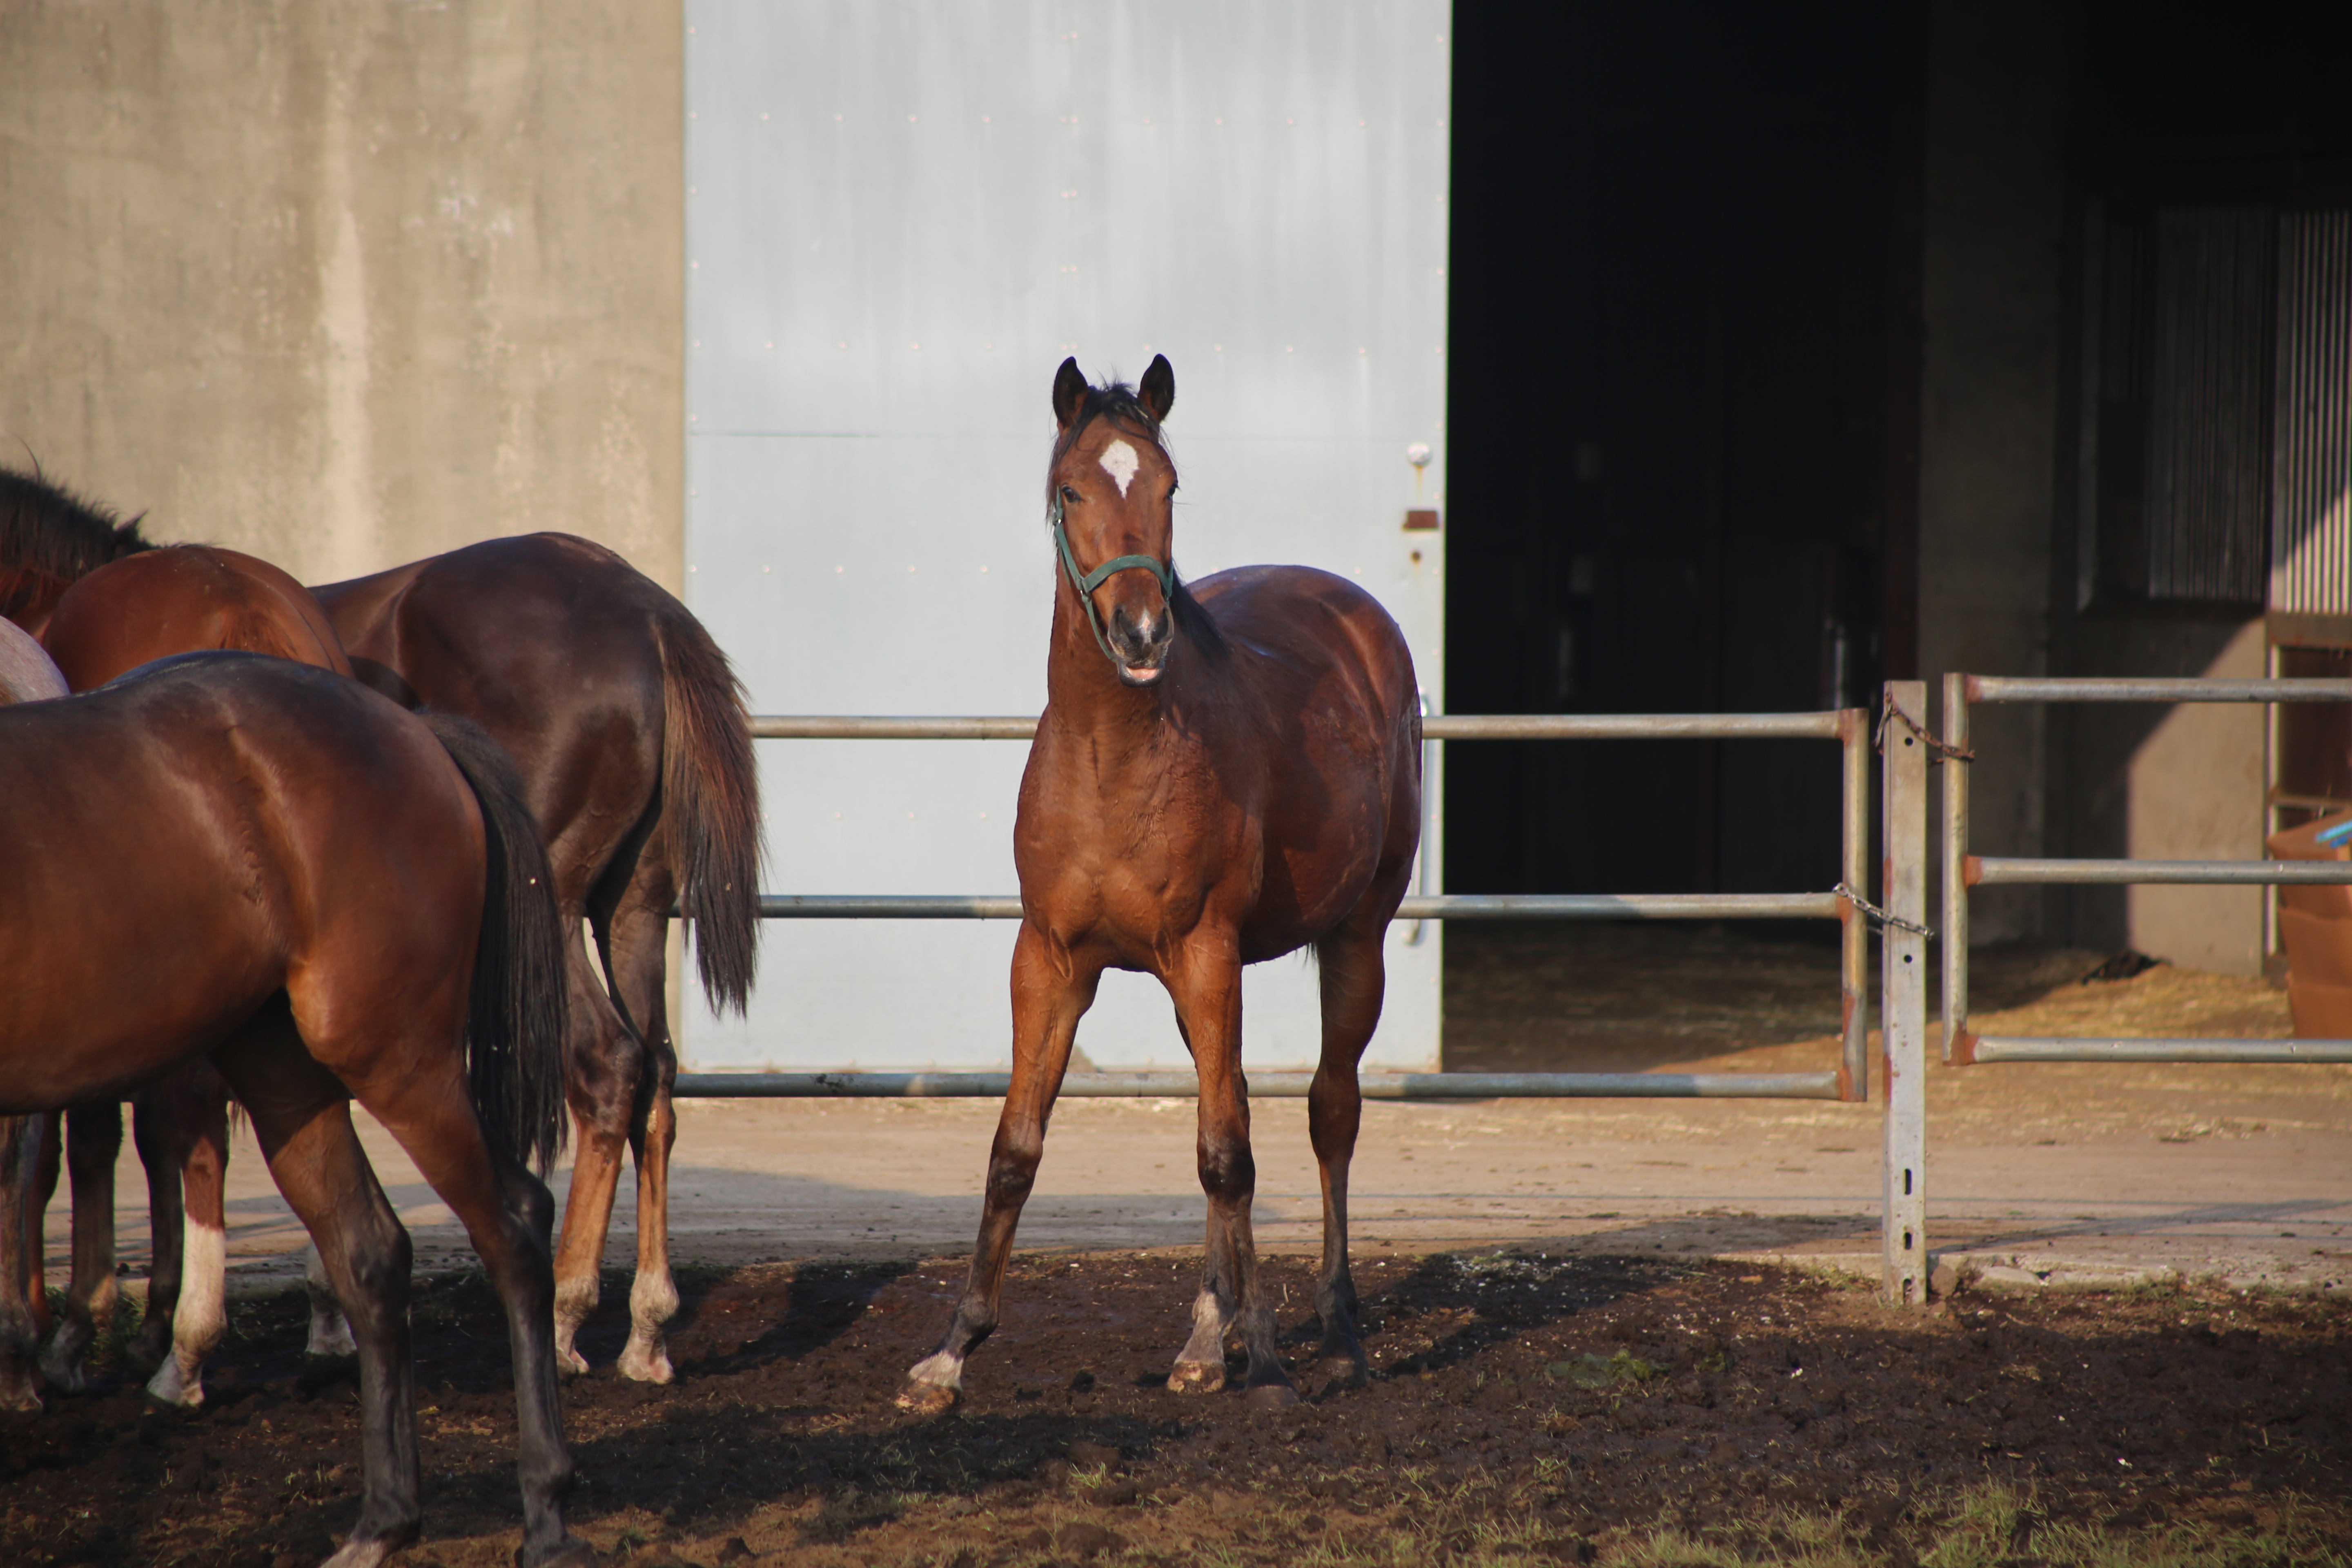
1850	728
1963	870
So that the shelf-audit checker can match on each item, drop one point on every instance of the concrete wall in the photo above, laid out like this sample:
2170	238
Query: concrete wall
347	284
1995	193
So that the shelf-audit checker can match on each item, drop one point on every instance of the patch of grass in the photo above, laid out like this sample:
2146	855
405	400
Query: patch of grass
1987	1526
1589	1371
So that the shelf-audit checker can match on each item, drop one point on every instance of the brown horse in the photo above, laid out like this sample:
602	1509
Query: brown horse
635	748
180	598
237	857
635	751
1222	775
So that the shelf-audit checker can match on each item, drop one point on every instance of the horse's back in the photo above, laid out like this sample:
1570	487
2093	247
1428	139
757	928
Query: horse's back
186	598
222	827
514	633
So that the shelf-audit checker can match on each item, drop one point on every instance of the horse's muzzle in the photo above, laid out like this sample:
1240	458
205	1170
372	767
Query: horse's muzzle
1140	644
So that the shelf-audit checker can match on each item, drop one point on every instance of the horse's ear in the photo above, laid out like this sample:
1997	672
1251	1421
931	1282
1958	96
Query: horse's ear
1069	393
1159	388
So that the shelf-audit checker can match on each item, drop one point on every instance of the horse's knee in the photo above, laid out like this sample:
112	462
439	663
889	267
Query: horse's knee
1013	1164
1228	1170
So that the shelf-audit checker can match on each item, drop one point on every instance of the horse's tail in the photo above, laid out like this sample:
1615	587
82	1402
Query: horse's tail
515	1020
710	807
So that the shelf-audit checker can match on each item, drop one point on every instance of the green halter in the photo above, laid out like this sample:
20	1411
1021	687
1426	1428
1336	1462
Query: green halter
1086	582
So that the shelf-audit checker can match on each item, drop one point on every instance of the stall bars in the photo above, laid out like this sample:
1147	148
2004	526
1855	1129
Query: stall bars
1963	870
1850	728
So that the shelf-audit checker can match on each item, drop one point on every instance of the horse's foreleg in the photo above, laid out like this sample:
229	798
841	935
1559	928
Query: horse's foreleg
1207	990
1354	976
603	1060
1052	989
160	1133
21	1141
200	1312
93	1143
302	1118
507	1214
637	957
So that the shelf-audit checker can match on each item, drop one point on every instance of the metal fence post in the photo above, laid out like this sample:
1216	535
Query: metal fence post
1902	1000
1854	936
1955	934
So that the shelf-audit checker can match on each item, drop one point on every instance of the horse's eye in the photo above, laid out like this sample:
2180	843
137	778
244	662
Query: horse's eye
1071	496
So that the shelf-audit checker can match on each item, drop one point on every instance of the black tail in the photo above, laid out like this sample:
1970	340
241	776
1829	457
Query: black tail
710	808
515	1022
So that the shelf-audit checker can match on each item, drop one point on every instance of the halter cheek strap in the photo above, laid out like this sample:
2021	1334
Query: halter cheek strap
1086	582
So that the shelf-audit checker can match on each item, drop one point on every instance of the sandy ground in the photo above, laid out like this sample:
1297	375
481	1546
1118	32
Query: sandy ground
2074	1174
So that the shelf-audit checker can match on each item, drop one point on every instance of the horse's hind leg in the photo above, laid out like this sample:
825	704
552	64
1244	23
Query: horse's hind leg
93	1143
199	1109
601	1062
1208	996
635	954
303	1120
1354	976
507	1213
1052	989
21	1141
157	1131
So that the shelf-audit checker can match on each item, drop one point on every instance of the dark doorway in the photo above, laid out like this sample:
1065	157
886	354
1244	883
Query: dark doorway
1673	265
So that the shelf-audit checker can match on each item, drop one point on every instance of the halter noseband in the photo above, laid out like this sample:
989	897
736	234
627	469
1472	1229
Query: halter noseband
1086	582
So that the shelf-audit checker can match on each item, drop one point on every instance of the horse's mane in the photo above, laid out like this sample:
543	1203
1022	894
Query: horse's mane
1116	402
48	529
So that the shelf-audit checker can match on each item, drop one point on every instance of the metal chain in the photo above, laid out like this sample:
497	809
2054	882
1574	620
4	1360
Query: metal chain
1894	712
1881	916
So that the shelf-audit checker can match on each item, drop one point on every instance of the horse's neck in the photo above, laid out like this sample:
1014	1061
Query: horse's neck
1086	696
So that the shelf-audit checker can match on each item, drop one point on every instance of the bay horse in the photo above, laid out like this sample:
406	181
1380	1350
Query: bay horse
235	856
633	744
1223	775
150	604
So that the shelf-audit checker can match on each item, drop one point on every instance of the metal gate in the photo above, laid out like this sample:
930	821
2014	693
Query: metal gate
1963	870
1849	1080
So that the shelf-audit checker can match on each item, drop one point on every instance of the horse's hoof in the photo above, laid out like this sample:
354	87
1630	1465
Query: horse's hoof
170	1390
65	1377
21	1401
571	1552
1343	1371
1270	1397
569	1362
927	1399
361	1555
1196	1377
646	1364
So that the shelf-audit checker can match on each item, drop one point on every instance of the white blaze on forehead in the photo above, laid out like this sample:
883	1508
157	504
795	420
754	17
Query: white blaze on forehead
1119	461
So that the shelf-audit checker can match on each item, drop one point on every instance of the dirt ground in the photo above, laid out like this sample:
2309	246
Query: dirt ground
1524	1409
1627	1331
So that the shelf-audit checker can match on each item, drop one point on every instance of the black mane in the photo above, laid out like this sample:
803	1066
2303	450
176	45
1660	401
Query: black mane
49	528
1116	402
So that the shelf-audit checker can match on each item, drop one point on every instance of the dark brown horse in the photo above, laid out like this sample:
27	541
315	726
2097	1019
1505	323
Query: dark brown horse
182	598
237	857
1222	775
635	748
631	736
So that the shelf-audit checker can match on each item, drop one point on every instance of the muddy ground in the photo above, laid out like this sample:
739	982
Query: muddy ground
1522	1409
1594	1380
